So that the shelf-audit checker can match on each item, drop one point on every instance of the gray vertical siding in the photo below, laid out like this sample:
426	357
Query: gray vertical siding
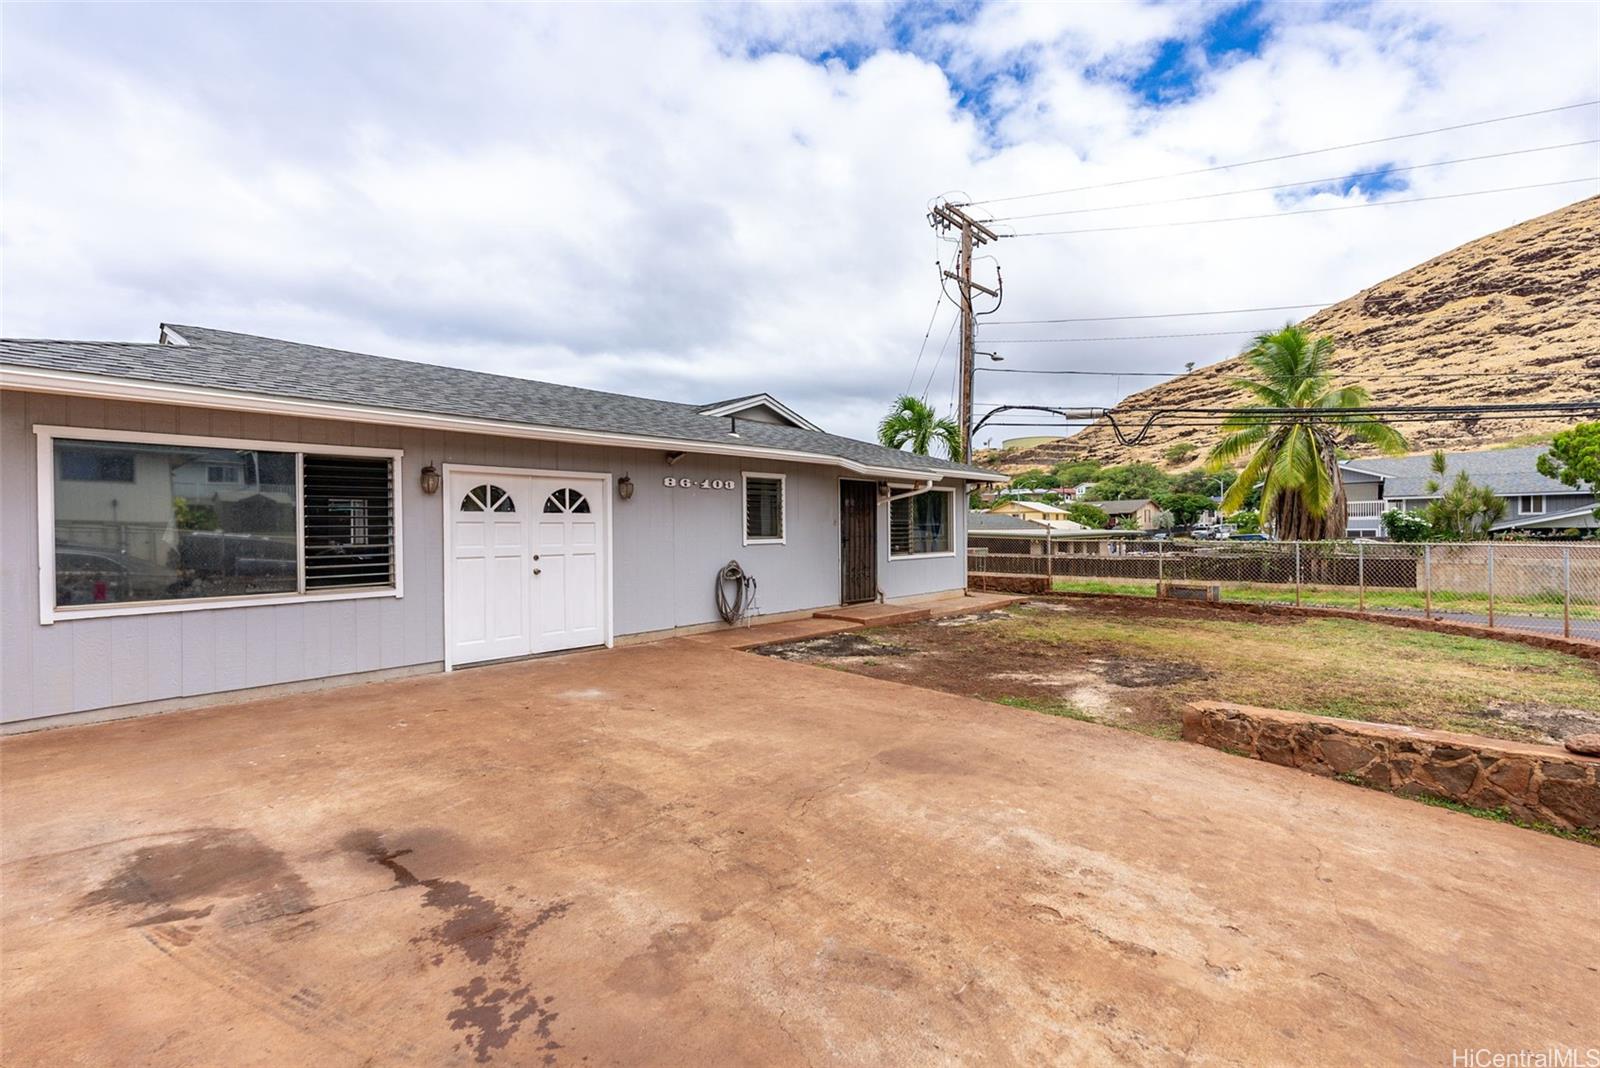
667	547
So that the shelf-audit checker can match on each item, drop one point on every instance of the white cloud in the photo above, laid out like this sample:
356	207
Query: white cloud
684	202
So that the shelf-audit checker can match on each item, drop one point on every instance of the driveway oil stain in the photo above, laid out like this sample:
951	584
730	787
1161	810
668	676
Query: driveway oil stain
659	969
492	1007
208	864
925	760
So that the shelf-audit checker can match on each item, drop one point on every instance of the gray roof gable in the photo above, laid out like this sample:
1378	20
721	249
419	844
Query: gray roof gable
220	359
1509	472
1120	507
995	523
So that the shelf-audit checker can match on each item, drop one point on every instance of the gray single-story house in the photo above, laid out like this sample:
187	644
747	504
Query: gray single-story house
217	512
1533	502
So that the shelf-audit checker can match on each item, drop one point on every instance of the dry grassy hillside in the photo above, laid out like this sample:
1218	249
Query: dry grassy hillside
1525	299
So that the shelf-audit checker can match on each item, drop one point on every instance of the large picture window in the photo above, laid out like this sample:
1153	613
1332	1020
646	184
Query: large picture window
920	525
141	522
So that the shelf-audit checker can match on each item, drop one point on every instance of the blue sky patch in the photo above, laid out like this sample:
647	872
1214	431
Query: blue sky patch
1373	181
1179	64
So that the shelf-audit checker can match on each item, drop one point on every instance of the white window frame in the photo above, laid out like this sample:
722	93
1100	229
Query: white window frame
951	519
1525	498
744	507
49	612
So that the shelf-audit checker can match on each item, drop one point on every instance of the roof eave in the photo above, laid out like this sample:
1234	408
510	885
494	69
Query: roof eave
106	387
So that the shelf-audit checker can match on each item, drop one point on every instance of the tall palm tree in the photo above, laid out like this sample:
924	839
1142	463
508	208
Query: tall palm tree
1294	457
914	424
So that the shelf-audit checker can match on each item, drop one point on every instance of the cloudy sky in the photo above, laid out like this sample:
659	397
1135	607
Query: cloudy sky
699	202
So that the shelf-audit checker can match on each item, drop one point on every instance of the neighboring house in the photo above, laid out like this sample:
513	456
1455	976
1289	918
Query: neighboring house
1012	494
1050	515
1146	513
1029	509
1015	534
221	512
1533	502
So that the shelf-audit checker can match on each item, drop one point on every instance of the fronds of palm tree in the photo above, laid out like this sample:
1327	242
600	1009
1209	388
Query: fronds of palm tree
1294	457
913	424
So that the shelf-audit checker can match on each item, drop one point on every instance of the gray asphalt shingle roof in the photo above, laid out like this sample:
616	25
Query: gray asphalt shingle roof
1509	472
1120	507
220	359
991	522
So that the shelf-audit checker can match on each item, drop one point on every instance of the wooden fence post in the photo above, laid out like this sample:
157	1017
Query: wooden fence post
1361	570
1297	574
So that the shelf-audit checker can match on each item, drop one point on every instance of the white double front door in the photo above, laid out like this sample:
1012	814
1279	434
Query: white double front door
527	565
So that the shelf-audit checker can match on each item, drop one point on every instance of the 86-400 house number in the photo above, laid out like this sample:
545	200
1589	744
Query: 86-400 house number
698	483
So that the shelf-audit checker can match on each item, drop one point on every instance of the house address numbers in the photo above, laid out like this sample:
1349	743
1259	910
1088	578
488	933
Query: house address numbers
672	482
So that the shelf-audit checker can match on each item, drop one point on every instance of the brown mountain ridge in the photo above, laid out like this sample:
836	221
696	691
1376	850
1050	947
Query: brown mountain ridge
1525	299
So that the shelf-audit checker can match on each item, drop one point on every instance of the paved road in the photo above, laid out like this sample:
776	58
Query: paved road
678	854
1580	628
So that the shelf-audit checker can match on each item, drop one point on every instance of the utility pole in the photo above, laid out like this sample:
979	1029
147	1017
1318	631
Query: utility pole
946	217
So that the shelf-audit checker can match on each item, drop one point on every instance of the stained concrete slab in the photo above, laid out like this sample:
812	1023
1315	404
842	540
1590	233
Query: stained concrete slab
682	854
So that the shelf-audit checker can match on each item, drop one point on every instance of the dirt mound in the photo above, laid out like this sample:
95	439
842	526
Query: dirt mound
1524	299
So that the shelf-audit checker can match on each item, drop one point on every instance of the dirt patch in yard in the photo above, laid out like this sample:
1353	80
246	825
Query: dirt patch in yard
851	645
1136	664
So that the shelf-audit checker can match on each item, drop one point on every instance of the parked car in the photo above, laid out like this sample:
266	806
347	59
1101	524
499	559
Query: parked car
1250	537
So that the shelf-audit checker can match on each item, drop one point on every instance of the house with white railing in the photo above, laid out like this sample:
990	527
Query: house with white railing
1533	502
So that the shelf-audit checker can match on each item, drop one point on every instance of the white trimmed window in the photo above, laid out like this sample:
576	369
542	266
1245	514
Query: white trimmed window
1530	505
138	523
921	525
764	509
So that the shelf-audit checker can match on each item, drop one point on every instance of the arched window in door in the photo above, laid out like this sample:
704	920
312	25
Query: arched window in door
566	500
487	498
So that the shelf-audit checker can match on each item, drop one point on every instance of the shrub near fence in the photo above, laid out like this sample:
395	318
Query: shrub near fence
1550	588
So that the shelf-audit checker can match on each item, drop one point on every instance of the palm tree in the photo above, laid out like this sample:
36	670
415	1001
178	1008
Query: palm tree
1294	457
913	423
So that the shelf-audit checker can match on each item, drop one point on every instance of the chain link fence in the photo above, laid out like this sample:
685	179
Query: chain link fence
1547	588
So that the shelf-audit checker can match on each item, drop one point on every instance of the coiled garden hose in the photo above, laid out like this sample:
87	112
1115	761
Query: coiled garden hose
733	609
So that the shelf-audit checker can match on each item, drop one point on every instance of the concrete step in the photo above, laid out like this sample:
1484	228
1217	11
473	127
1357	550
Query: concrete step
878	615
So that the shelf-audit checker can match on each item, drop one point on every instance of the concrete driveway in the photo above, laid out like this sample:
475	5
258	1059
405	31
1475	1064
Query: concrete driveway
683	854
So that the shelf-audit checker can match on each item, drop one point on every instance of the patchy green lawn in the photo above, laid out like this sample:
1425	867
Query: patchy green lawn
1377	600
1136	664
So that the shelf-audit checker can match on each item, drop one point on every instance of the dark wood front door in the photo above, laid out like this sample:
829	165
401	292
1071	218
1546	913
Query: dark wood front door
858	540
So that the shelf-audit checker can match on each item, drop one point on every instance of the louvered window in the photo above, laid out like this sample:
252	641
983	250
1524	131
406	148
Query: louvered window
349	521
763	508
920	525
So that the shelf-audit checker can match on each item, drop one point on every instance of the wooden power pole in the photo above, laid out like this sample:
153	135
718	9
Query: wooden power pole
947	217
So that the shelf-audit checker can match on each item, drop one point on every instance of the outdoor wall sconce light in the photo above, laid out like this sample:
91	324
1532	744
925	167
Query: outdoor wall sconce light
431	480
625	488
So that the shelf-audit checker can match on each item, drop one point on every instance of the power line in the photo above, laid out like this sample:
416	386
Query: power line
1379	173
1157	315
1378	375
1288	155
1305	211
940	358
1117	337
938	301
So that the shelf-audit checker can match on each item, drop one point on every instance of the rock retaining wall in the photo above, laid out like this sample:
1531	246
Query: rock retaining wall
1008	583
1536	783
